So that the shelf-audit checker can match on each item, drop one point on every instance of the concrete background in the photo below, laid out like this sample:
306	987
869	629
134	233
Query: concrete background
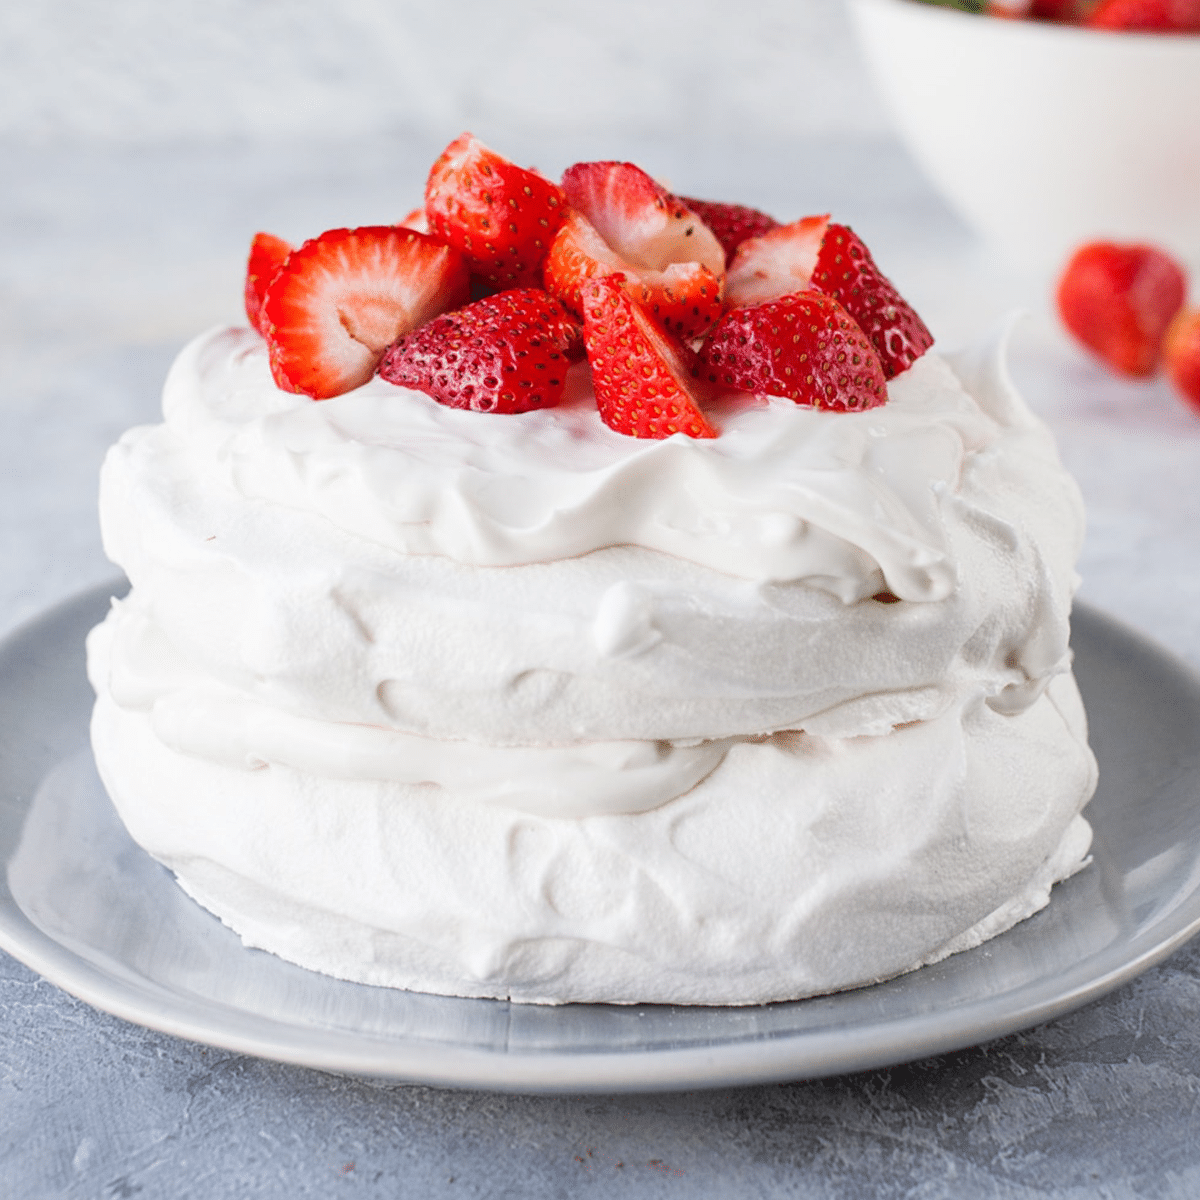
138	71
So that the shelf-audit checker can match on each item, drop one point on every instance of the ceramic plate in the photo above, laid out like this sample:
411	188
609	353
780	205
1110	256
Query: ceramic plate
81	904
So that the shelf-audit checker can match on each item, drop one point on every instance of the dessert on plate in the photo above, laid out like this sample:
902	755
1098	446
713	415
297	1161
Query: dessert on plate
666	623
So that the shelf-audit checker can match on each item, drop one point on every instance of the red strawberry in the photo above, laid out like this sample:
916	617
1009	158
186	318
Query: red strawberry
502	354
416	220
626	224
731	224
500	216
267	254
804	346
847	272
344	297
640	376
1069	12
1118	301
1181	354
1147	16
775	263
1007	10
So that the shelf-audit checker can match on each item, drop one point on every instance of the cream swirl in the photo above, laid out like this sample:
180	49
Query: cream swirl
850	503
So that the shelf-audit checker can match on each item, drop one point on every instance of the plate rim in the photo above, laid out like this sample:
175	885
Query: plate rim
738	1062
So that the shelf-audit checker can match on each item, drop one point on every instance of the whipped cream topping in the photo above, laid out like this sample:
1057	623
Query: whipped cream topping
517	706
262	534
847	502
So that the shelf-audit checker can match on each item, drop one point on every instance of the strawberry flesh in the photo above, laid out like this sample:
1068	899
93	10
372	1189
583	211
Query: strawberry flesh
503	354
625	224
1147	16
775	263
342	298
1181	355
1118	300
267	254
416	220
731	224
803	346
501	217
846	271
639	374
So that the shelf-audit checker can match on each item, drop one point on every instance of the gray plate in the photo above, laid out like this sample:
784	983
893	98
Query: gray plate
81	904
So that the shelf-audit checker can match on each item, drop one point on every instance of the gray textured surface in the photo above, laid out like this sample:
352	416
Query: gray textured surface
1102	1103
109	259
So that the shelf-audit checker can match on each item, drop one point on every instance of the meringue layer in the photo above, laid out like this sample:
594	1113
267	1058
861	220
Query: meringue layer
516	706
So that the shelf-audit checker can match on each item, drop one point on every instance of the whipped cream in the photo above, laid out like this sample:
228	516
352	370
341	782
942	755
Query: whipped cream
264	537
519	706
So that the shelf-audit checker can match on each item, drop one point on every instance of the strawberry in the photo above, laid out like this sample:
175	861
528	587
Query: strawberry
803	346
500	216
1118	301
625	224
1181	354
1066	12
640	376
731	224
1147	16
502	354
416	220
340	300
780	261
847	272
267	254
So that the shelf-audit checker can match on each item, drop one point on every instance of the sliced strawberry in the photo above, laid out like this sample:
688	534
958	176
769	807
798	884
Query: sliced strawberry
624	223
777	262
344	297
731	224
1181	354
847	272
1147	16
640	376
416	220
1118	301
803	346
500	216
267	254
503	354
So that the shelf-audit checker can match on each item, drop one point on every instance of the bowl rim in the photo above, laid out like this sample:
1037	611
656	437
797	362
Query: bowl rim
1025	27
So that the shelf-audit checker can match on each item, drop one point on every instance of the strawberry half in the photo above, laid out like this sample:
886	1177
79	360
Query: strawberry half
1118	301
775	263
625	224
803	346
847	272
500	216
416	220
341	299
267	254
1181	354
1146	16
731	224
503	354
641	377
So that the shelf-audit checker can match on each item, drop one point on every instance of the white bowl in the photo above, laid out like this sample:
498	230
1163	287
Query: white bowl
1043	136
